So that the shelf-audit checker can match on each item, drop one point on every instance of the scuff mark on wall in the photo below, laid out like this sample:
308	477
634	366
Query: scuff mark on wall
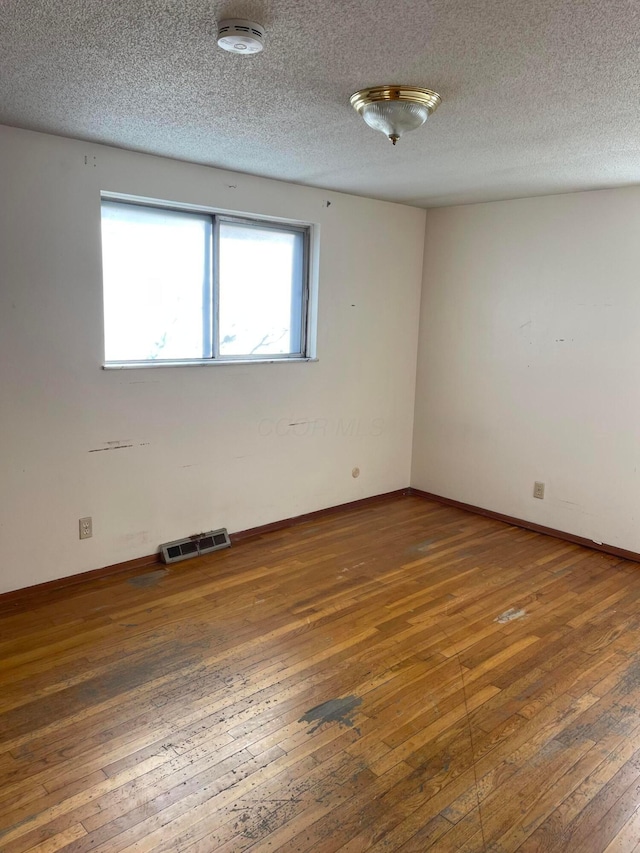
119	445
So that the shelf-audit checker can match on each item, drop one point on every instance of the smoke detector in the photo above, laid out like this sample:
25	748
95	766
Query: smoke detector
238	36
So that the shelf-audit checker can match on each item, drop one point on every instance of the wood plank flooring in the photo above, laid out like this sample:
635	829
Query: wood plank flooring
344	685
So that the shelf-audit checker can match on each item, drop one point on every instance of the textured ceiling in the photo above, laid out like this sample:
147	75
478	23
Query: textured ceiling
539	96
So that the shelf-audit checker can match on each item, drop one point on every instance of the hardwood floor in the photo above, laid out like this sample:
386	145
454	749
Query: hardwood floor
345	685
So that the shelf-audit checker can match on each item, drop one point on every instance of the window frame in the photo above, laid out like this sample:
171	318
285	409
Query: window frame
216	216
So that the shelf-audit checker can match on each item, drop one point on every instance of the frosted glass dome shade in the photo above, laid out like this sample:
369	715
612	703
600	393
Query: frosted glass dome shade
393	118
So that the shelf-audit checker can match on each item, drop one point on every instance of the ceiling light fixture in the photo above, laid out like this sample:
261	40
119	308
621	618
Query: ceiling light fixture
239	36
395	110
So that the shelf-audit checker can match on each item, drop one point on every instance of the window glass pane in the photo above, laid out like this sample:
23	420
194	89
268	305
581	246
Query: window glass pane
260	290
157	287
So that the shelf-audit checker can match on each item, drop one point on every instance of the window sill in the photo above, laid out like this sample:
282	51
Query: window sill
205	362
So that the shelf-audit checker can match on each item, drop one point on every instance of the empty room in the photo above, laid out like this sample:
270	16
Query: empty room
319	426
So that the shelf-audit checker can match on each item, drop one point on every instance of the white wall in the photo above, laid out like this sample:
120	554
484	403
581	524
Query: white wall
211	446
529	361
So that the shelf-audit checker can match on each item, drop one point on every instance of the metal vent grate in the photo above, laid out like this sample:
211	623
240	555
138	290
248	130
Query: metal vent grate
194	546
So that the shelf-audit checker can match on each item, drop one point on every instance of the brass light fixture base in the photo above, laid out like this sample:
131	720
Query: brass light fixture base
417	102
412	94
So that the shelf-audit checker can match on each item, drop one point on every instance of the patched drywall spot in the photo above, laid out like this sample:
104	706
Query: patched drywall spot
334	711
510	615
149	579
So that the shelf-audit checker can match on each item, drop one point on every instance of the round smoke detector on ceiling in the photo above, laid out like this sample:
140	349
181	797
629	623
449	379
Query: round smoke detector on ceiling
242	37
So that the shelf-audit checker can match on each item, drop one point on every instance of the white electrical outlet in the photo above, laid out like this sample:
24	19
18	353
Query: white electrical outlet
538	490
86	527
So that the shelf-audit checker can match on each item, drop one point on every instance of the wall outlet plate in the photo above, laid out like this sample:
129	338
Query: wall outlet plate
85	526
538	490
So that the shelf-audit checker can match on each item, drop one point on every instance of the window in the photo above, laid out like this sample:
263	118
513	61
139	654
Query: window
187	286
